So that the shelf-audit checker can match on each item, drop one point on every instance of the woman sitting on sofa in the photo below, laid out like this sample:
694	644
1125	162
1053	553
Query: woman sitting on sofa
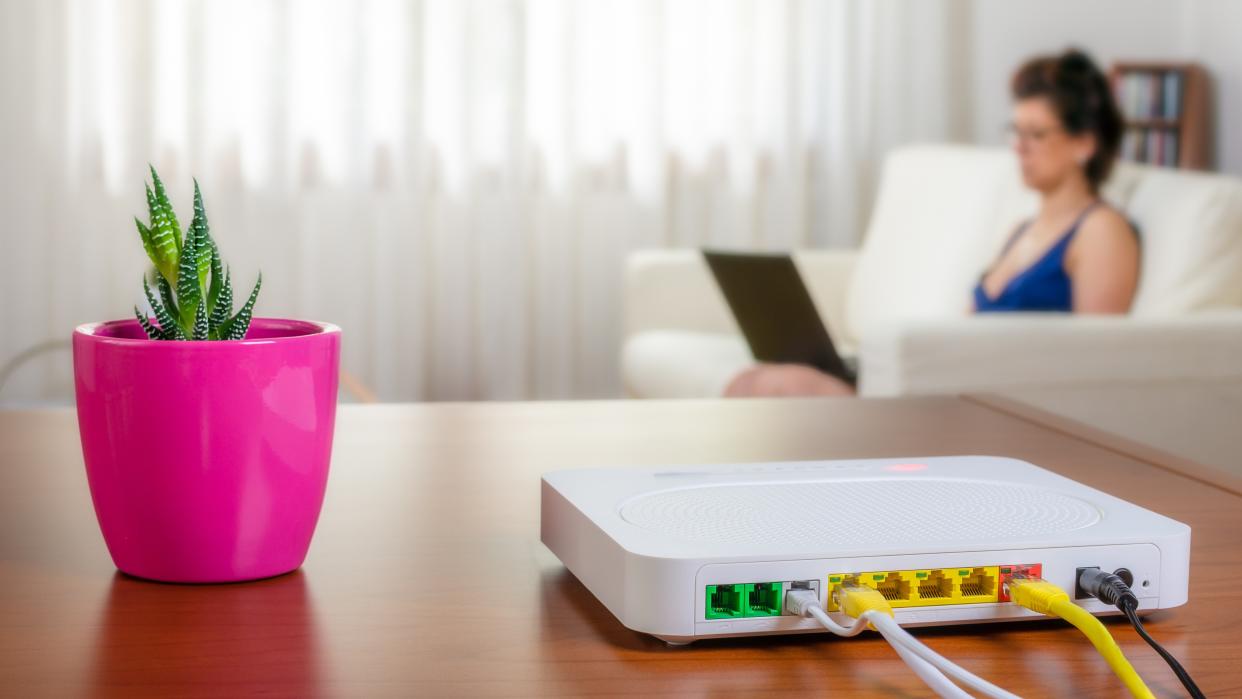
1077	255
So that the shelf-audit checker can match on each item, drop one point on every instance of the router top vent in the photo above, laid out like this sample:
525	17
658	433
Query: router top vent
841	512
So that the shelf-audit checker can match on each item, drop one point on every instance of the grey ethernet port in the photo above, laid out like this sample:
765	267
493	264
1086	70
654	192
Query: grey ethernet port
801	585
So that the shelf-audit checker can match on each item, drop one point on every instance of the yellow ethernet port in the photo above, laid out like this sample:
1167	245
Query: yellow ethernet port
835	581
977	585
923	588
893	586
934	585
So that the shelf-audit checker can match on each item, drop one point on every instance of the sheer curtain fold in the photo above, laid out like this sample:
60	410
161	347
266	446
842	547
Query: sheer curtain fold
456	183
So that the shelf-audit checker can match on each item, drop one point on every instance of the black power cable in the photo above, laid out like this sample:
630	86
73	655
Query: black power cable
1111	589
1178	670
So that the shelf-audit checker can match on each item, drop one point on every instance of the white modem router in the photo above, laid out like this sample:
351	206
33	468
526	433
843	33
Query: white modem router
691	552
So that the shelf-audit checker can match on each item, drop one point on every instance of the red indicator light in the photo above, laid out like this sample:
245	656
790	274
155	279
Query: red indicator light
906	468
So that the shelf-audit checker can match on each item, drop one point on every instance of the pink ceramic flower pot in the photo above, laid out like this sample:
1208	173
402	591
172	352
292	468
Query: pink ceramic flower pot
207	461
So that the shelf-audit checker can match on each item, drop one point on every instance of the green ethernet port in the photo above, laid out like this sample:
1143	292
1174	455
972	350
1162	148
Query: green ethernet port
725	601
894	587
764	599
933	585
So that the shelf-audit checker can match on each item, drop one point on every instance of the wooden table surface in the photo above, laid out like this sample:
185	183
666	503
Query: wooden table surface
427	578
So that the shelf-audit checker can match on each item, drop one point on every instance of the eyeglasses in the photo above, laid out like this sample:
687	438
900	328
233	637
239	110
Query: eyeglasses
1034	136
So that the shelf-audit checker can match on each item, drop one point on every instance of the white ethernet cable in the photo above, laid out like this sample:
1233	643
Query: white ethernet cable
930	675
806	603
895	635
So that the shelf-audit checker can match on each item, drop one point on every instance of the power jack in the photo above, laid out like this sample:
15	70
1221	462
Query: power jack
1080	593
1124	573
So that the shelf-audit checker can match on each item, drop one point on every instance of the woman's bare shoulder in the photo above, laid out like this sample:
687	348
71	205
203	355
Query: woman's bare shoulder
1106	221
1105	230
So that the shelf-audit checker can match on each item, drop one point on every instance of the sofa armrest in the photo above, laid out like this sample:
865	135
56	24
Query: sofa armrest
999	352
674	290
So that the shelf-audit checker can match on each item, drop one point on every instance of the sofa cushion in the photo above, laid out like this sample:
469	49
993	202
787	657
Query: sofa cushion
1191	226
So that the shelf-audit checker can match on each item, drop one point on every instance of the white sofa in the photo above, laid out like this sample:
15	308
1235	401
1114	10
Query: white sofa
902	301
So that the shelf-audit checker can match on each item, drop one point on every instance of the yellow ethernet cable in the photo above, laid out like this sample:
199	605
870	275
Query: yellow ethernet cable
856	600
1044	597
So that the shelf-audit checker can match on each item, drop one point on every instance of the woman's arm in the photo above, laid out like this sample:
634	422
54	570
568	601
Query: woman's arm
1103	263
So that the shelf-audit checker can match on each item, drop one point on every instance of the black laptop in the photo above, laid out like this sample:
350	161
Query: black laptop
775	311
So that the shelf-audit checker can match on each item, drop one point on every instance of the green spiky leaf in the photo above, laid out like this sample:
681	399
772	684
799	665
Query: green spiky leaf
236	327
189	292
168	325
202	237
203	256
165	238
224	304
165	206
152	332
145	234
217	281
166	295
200	322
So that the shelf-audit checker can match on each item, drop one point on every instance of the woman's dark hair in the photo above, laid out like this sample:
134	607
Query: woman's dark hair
1079	93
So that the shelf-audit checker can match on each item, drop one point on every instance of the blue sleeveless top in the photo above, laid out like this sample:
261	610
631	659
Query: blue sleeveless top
1044	286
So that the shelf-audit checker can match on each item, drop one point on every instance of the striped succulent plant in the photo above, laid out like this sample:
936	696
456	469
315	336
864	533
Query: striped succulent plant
195	300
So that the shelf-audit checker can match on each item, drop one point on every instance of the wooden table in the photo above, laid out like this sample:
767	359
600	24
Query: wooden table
427	577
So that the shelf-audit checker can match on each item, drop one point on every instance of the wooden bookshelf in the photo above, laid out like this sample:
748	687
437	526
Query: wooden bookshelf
1167	113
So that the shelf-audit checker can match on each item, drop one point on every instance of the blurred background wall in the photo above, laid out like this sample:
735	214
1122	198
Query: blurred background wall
456	183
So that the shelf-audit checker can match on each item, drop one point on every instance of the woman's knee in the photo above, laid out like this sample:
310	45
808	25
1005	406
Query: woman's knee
786	380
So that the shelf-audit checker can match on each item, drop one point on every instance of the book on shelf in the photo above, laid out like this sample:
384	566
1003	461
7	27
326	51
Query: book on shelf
1150	95
1172	95
1153	145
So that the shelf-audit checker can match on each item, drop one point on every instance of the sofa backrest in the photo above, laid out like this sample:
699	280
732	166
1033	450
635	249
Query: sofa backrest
943	212
1191	227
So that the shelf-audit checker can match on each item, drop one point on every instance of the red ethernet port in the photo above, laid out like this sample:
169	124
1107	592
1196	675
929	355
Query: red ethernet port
1030	570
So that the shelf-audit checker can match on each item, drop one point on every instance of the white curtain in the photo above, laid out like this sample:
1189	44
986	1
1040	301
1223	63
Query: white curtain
456	183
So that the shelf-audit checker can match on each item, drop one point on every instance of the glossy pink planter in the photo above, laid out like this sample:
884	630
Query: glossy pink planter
207	461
